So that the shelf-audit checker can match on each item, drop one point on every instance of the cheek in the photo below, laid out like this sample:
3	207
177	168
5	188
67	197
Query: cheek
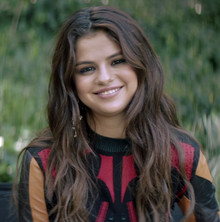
80	91
83	86
134	84
132	79
79	87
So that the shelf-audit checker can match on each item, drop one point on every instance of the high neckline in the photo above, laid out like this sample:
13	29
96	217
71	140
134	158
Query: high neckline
108	144
111	144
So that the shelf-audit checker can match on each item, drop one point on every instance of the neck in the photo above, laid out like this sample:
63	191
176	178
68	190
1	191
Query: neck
112	127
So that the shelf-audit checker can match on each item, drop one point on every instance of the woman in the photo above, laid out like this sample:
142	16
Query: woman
114	149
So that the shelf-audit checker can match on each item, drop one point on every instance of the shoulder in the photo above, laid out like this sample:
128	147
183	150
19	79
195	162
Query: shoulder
191	151
38	151
187	140
190	146
38	155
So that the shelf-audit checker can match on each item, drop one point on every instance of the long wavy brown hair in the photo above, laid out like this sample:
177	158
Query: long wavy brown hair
151	121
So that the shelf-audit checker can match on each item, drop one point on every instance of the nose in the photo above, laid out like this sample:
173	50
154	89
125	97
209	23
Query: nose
104	75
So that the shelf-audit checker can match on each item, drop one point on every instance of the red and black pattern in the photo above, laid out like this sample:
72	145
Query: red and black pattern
116	177
116	181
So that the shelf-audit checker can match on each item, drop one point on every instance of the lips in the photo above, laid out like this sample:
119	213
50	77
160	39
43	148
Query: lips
107	91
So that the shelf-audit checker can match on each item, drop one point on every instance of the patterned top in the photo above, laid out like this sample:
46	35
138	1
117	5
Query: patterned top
115	176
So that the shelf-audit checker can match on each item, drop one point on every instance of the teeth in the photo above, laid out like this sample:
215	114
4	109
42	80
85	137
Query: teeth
110	91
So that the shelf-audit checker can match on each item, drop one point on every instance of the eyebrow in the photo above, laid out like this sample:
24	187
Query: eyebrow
90	62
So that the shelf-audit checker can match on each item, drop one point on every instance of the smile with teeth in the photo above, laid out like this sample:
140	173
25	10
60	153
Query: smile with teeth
109	92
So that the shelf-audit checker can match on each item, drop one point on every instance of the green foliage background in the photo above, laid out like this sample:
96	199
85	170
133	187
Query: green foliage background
184	34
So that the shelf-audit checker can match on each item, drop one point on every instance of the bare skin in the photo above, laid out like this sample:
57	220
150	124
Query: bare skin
105	83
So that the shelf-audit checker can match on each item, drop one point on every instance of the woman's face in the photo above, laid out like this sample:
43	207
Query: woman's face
105	82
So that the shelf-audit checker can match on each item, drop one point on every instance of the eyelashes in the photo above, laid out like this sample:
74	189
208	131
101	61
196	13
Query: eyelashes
89	69
118	61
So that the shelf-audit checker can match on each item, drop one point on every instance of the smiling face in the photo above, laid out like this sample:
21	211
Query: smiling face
105	82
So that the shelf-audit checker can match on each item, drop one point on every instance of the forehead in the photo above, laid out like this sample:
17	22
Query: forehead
95	44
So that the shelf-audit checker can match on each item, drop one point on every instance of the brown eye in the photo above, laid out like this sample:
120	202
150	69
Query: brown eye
118	61
87	69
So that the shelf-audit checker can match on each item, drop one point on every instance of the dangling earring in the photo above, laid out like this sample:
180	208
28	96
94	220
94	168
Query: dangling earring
74	128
